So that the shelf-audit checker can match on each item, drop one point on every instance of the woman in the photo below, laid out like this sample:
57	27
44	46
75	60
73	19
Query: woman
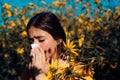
46	36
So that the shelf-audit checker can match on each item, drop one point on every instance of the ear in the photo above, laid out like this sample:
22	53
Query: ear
59	41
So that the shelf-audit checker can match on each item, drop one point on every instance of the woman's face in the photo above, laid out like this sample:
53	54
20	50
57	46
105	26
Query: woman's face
44	40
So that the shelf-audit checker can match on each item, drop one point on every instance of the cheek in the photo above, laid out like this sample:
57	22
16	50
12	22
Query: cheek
44	47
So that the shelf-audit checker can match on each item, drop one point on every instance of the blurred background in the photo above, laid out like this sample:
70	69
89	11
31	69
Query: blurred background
93	26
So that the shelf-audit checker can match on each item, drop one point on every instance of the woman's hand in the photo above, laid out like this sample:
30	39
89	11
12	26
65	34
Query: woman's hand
38	63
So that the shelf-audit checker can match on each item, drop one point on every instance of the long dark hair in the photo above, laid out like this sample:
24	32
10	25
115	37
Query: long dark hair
49	22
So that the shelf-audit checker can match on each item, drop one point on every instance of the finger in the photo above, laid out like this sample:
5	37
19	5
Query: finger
48	60
32	56
43	58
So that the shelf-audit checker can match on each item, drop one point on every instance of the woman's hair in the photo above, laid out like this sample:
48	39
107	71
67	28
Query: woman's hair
48	22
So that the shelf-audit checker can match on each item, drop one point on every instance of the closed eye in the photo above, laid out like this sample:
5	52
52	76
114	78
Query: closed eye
41	40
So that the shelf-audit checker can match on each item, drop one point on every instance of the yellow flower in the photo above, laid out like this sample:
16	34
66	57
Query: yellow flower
70	46
97	1
9	14
62	4
18	22
78	68
7	6
81	40
93	60
98	19
106	15
54	64
62	67
117	8
26	21
6	55
66	32
49	76
113	65
12	23
24	34
59	4
82	16
80	20
89	27
88	78
3	44
20	50
23	18
56	3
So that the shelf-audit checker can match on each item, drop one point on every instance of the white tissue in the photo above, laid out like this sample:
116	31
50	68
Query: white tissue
34	45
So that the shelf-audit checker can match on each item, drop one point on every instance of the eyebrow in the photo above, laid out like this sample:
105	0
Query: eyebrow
37	37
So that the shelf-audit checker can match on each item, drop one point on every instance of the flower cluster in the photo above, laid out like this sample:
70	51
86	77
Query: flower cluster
69	70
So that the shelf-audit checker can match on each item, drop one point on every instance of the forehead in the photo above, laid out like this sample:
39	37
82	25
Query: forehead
34	32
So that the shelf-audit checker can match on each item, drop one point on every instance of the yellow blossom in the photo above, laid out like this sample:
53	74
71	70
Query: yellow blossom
81	70
7	6
70	46
24	34
62	4
54	64
80	20
6	55
59	4
109	11
78	68
88	78
9	14
81	40
3	44
18	22
20	50
82	16
26	21
117	8
49	76
23	18
97	1
113	65
56	3
98	19
62	67
93	59
12	23
89	27
66	33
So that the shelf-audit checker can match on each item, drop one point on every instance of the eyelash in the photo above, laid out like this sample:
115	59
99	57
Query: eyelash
41	40
31	41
